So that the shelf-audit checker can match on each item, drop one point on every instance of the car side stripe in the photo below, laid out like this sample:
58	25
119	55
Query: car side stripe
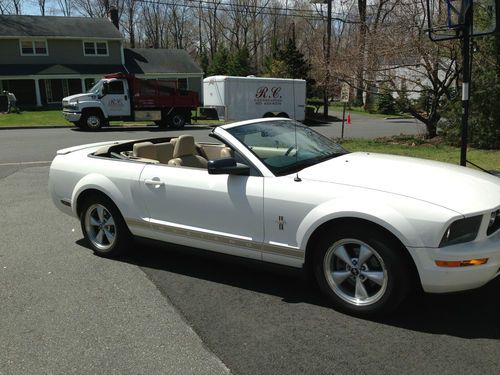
227	240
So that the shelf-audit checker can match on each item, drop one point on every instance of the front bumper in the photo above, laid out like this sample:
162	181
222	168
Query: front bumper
437	279
72	116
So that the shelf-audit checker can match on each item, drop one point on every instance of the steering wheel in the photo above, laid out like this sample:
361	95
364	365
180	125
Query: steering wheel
292	147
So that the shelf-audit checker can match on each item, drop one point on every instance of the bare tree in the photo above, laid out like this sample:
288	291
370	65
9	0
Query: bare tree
64	7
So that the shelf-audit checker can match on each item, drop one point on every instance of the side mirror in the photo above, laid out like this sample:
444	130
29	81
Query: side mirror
227	166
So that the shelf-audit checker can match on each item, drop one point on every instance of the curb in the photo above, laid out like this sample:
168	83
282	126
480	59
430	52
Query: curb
35	127
74	127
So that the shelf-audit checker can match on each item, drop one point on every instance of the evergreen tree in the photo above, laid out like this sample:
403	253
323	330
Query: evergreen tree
219	64
386	103
239	64
484	118
287	62
297	66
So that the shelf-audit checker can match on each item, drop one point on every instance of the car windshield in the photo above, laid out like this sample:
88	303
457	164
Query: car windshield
96	89
286	146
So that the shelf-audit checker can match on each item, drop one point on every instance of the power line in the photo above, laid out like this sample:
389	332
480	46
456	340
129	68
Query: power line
258	9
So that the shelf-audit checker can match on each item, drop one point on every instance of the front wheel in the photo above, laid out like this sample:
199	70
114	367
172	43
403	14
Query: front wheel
362	270
92	121
104	228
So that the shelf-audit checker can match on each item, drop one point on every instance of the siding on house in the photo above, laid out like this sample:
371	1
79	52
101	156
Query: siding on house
60	51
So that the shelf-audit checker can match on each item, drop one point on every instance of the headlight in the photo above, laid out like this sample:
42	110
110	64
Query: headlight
71	107
463	230
494	222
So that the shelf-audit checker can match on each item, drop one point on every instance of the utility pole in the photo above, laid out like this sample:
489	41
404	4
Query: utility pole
327	57
466	54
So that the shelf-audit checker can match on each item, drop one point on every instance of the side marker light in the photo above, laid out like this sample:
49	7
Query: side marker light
461	263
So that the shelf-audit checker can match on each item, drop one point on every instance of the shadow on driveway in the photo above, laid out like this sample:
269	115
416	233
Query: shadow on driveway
472	314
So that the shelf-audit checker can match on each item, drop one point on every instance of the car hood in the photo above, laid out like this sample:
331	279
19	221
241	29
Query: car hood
461	189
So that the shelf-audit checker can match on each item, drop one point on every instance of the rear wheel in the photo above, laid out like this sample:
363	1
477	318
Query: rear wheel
268	114
283	114
177	121
103	227
362	270
92	120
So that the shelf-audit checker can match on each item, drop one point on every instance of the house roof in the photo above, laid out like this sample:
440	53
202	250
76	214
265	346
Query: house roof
58	70
57	26
160	61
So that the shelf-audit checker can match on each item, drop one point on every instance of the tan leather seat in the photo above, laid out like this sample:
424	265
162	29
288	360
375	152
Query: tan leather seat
145	150
185	154
165	152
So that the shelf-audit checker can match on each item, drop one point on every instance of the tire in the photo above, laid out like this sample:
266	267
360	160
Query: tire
268	114
177	121
104	228
376	285
283	114
92	121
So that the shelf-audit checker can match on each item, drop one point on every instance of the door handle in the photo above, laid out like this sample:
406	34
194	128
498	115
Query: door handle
126	97
154	182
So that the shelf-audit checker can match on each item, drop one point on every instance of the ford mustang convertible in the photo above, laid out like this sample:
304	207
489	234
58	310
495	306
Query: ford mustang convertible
369	227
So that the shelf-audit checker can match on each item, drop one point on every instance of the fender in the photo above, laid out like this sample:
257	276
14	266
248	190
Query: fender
94	105
394	218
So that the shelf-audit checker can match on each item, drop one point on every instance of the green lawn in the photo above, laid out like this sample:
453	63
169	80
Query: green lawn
40	118
486	159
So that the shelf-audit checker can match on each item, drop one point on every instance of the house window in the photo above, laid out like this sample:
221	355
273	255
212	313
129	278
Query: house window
95	48
34	48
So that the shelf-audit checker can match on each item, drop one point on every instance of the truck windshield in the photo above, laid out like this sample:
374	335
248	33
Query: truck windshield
96	89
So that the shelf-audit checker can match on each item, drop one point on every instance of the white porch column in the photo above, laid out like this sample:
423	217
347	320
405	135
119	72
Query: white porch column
37	93
82	80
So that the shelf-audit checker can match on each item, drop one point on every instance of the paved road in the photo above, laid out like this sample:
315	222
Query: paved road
41	144
170	309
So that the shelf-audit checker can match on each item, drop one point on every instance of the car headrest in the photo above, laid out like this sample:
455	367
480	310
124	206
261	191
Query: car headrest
184	146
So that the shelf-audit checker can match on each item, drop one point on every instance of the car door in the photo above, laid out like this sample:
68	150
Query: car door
188	206
116	100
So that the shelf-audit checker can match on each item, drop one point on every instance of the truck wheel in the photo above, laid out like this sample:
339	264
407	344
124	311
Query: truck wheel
177	121
92	121
268	114
283	114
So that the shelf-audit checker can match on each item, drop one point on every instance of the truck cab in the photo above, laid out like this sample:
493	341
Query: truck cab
108	99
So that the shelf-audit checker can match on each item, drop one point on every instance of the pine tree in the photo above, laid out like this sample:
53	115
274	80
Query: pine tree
219	64
239	63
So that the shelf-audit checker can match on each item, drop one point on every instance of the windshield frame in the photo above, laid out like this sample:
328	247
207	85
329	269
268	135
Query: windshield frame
96	88
324	148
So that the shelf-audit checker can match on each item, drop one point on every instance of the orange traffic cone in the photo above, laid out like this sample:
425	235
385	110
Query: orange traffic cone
348	118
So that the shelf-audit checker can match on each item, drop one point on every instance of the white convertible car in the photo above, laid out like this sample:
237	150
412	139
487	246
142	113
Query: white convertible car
369	227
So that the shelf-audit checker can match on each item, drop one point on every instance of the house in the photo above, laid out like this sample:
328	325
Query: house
45	58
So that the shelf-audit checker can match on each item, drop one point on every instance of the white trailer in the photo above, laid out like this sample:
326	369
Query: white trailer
244	98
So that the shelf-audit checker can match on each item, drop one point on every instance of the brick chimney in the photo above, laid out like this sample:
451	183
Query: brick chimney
113	16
